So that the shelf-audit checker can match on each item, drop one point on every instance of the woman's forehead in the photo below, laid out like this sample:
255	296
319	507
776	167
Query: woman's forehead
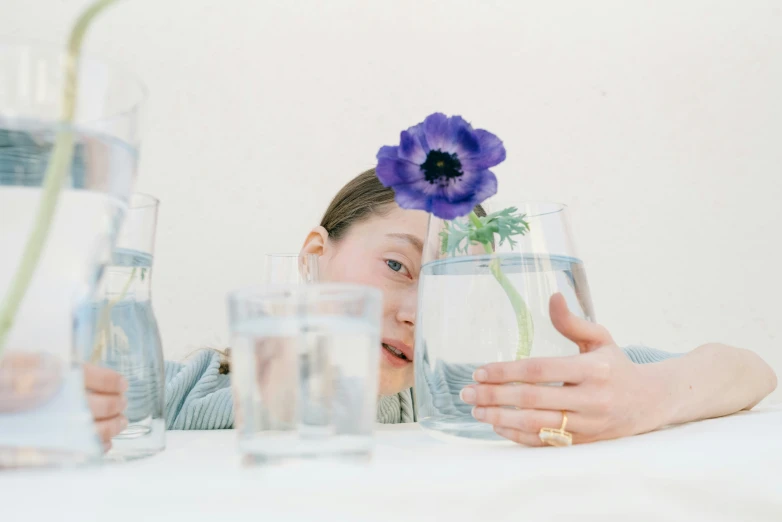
401	221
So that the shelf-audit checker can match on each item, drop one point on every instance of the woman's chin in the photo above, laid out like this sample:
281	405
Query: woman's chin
394	379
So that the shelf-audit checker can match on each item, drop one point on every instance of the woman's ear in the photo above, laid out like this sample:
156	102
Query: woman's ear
316	242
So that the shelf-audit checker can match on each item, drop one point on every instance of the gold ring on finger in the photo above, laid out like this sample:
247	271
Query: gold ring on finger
557	437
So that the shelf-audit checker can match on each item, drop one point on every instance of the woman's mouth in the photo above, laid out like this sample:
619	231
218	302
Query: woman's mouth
396	355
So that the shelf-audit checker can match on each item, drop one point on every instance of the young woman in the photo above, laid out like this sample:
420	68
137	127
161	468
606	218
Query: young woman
365	238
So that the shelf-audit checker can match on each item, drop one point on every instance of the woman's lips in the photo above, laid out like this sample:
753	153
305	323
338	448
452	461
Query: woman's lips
396	353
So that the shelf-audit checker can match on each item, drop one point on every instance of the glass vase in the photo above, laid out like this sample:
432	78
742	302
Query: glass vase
44	418
126	337
289	268
490	303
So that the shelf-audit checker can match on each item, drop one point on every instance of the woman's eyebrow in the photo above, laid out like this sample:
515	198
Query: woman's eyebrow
409	238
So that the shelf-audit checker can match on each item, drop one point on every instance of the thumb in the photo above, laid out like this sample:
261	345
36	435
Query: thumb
586	334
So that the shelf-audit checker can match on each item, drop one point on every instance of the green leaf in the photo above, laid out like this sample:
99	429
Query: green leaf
457	236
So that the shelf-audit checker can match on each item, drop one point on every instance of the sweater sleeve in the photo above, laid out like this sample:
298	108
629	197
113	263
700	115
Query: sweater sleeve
198	397
646	355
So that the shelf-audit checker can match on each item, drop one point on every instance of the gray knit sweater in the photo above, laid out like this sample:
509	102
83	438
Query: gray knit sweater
198	397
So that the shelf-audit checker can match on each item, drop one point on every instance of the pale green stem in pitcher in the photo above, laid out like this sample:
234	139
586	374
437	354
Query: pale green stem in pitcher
57	172
520	309
102	331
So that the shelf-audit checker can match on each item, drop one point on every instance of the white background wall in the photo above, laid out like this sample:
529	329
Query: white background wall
659	122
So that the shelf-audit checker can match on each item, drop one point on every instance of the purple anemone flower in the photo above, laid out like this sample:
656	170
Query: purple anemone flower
441	166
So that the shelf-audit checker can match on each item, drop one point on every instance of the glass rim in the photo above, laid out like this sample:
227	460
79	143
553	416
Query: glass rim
57	49
555	206
145	201
276	292
290	254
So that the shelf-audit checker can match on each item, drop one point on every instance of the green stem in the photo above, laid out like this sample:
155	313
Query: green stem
102	331
57	171
523	317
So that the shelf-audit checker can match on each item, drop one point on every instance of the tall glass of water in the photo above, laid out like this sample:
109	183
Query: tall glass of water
44	419
477	307
305	370
291	269
126	336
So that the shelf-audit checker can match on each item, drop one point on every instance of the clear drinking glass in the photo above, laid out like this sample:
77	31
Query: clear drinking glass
291	269
126	336
305	370
44	419
476	307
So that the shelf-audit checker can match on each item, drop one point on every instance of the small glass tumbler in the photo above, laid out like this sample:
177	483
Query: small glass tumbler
291	269
126	336
305	370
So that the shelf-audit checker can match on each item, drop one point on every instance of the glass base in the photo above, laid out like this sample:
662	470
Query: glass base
17	458
138	441
460	428
252	460
287	448
127	454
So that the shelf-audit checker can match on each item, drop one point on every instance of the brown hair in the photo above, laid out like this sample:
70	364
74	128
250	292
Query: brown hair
361	198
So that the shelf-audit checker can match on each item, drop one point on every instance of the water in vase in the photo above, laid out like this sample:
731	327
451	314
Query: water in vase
465	320
127	340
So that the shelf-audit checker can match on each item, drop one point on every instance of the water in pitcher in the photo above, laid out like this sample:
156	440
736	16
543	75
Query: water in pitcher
466	320
57	429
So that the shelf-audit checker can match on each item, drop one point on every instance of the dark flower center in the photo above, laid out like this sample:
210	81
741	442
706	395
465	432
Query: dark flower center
441	167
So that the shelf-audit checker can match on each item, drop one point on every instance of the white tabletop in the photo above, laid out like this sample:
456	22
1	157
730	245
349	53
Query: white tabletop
727	469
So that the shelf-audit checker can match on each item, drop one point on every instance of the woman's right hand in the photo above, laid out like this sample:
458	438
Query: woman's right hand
27	381
106	399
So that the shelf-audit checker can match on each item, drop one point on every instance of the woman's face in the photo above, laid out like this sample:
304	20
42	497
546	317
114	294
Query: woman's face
383	252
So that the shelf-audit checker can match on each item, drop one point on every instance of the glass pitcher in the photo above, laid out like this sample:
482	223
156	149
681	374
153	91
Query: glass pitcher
126	336
44	418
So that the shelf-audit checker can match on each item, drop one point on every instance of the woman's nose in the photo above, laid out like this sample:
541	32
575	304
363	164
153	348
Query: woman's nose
407	308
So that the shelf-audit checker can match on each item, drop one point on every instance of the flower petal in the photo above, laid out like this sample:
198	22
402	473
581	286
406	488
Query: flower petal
412	145
447	210
491	152
388	152
479	187
467	143
484	187
437	130
392	172
412	198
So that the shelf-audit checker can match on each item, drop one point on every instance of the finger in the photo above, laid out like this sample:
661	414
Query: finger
584	333
520	437
526	396
26	361
572	369
105	406
111	427
27	381
529	421
104	380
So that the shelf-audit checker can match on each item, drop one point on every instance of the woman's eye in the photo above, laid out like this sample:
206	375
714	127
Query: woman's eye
396	266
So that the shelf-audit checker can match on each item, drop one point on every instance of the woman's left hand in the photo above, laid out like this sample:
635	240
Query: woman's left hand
605	395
